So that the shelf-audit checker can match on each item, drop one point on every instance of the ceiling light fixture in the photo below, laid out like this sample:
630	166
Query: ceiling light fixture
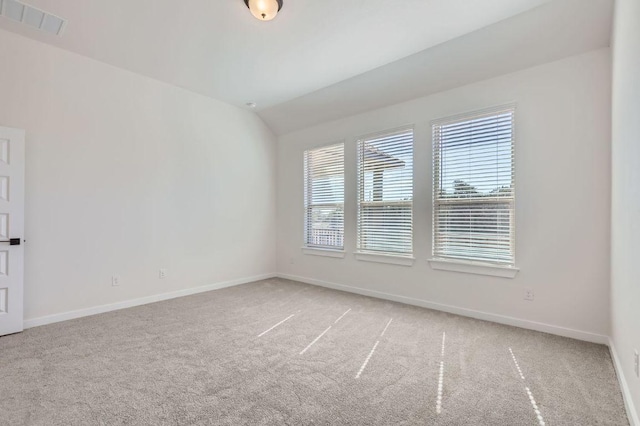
264	10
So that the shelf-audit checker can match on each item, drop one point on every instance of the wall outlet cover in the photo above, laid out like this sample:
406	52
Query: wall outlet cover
528	294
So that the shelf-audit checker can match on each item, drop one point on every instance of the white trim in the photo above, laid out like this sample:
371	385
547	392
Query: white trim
385	258
474	268
64	316
475	113
437	168
361	142
632	414
486	316
385	132
316	251
326	144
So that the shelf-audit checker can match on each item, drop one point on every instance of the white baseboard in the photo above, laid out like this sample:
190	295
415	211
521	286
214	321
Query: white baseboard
502	319
626	394
64	316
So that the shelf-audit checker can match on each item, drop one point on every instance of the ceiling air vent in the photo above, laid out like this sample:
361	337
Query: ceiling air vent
32	17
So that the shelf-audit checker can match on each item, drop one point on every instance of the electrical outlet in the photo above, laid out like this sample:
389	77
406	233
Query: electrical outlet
528	294
636	362
162	274
292	260
115	280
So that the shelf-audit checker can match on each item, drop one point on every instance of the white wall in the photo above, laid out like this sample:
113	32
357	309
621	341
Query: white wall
126	175
562	197
625	216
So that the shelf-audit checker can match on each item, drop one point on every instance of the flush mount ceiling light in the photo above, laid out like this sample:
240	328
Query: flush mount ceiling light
264	10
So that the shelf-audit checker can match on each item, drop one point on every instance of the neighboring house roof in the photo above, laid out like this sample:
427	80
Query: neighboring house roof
376	159
373	159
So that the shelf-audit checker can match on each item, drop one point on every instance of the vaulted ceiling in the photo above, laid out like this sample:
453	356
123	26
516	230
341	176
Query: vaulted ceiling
317	52
544	34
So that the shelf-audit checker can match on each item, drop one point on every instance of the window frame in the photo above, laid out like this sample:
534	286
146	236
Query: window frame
308	206
466	264
391	257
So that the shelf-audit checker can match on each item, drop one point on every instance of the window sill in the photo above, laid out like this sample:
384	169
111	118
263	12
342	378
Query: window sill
385	258
474	268
323	252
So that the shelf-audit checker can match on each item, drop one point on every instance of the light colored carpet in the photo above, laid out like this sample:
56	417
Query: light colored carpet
199	360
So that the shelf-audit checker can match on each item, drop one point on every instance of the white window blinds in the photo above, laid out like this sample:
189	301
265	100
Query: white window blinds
385	193
473	197
324	197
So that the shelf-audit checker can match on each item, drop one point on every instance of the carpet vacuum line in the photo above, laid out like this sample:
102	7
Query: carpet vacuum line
526	388
281	322
323	333
366	361
342	316
440	377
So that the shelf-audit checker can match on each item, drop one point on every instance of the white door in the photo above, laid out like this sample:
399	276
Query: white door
11	229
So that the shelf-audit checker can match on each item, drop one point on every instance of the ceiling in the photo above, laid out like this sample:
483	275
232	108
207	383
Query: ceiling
550	32
217	48
319	60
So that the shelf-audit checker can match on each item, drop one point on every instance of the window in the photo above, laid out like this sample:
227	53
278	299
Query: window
385	194
324	197
473	197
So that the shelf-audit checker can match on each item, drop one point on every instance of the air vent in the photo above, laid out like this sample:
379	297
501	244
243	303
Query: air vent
32	17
